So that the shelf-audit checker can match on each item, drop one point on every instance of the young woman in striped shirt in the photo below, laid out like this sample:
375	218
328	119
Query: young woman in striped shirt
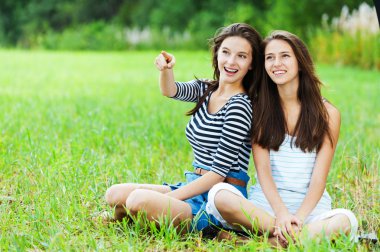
294	135
218	131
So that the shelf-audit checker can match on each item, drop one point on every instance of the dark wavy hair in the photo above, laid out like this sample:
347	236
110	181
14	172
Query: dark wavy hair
269	123
253	76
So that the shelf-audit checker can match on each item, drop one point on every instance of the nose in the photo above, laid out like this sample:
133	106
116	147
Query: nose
231	60
277	61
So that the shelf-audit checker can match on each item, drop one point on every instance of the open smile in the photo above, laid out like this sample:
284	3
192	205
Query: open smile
278	73
230	70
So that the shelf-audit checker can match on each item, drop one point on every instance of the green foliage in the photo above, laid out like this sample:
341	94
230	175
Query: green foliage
355	50
21	21
171	14
94	36
347	41
247	13
137	13
302	17
73	123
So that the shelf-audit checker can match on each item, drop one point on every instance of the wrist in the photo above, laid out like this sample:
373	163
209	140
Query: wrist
281	211
301	217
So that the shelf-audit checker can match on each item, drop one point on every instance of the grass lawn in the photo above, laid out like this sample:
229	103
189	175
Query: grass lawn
72	124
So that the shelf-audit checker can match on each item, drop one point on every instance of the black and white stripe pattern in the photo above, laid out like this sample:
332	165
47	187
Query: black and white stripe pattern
220	141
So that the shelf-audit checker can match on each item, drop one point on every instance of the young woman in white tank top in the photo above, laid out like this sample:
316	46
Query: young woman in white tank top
294	135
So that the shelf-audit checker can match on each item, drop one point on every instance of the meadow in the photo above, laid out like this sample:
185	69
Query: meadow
74	123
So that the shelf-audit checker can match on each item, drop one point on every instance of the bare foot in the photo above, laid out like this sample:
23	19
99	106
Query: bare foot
105	217
229	236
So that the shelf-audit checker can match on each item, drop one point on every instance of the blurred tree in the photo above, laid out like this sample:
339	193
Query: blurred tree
91	10
126	13
300	17
169	13
251	12
210	17
10	22
137	13
24	20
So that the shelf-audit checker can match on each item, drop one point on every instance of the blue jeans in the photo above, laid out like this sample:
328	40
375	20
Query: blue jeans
201	219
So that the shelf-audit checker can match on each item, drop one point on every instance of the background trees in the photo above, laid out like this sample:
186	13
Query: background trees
23	21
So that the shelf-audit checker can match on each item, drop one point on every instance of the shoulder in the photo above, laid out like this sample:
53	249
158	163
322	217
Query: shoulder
204	82
240	105
332	111
333	119
241	100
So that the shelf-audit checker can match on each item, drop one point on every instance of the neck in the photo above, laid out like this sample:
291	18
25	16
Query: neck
229	90
288	94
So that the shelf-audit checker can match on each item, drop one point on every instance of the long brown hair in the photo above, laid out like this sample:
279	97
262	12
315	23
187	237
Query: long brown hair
269	124
252	78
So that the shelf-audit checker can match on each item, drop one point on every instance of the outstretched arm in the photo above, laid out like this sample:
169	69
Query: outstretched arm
322	165
165	63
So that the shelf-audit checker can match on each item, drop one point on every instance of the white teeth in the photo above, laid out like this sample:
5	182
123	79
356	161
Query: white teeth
230	70
279	72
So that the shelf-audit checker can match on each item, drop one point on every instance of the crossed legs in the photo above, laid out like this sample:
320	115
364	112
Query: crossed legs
237	211
148	198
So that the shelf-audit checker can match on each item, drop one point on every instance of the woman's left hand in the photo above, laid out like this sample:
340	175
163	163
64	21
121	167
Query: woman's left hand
287	224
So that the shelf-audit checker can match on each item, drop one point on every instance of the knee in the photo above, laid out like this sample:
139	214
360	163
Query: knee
137	200
111	195
348	221
117	194
223	203
221	197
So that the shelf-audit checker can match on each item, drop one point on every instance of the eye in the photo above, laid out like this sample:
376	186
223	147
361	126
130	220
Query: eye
225	51
243	56
286	56
269	57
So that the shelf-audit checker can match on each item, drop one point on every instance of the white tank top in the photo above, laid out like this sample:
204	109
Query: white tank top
291	170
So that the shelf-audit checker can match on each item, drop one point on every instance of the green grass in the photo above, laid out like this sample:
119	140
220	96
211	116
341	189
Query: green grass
72	124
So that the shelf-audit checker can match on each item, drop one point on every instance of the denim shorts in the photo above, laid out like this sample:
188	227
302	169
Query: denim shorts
201	219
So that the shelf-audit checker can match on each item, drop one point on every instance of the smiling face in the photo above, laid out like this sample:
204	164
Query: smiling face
234	60
281	63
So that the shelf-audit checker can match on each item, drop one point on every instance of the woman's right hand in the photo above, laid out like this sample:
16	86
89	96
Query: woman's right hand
283	225
164	61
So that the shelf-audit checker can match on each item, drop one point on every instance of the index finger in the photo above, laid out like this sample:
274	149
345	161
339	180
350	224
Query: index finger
280	234
167	56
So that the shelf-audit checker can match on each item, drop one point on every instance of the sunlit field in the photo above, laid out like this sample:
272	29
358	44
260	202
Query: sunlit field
72	124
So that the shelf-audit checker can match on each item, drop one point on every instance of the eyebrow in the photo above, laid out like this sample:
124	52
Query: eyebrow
280	52
230	50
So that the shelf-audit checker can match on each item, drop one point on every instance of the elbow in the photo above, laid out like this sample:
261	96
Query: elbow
167	93
164	93
221	179
215	178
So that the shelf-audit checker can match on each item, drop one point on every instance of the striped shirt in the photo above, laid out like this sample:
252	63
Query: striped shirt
291	170
220	141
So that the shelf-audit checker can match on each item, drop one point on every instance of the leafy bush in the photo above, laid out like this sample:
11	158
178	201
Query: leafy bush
93	36
352	39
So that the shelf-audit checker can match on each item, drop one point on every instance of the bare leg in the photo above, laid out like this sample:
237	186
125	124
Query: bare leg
239	211
236	209
157	205
117	195
329	227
